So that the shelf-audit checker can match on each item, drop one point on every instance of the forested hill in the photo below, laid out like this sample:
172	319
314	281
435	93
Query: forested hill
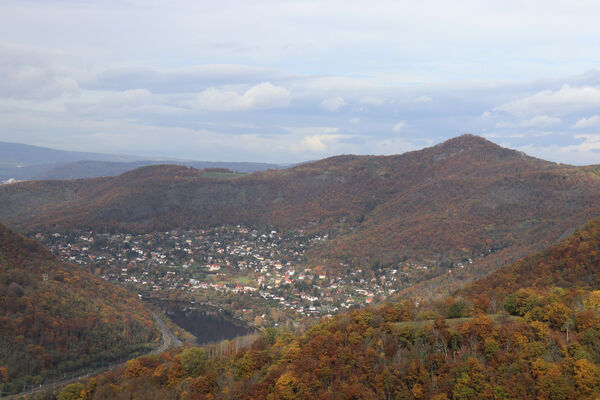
463	198
572	263
56	318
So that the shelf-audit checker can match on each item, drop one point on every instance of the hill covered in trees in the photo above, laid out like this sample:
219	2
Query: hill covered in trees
57	318
545	344
571	263
464	198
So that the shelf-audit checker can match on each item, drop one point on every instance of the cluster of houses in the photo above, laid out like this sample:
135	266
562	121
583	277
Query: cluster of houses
264	267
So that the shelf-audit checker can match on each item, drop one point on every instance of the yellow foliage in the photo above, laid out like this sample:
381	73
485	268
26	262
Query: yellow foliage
593	301
418	391
587	377
292	352
542	332
133	369
539	368
287	386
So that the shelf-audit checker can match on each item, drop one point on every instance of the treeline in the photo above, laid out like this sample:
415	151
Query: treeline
381	354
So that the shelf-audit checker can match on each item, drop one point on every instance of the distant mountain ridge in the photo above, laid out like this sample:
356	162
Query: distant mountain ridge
14	154
464	198
26	162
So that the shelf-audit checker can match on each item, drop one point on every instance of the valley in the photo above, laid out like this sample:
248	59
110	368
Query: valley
431	274
299	200
257	276
528	331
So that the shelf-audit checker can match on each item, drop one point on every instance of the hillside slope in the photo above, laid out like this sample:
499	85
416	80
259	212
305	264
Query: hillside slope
56	318
548	349
572	263
466	197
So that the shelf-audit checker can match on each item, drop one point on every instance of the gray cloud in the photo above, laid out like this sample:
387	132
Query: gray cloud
33	73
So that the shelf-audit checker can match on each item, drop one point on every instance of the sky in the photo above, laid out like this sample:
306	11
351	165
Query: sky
293	80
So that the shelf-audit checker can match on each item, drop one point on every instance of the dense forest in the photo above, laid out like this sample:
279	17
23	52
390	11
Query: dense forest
464	198
538	339
56	318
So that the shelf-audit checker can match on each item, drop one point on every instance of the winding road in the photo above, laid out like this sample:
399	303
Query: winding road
168	340
168	337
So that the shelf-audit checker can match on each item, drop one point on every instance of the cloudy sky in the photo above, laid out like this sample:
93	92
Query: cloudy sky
291	80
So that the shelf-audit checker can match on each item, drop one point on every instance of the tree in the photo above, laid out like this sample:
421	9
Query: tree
74	391
457	309
587	378
287	386
193	360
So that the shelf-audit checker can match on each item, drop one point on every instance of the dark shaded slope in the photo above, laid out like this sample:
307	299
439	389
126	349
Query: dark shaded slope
574	262
55	317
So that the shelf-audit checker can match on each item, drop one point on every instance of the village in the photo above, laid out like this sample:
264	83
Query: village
258	276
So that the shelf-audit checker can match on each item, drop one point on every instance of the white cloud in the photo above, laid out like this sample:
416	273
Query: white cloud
540	121
315	143
318	143
333	104
262	96
314	139
188	79
564	101
266	95
585	123
586	152
423	99
355	120
399	126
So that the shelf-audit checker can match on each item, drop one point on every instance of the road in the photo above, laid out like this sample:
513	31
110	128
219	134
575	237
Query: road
168	340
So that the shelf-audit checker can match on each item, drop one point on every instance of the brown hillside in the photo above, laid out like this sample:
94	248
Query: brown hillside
462	198
574	262
56	318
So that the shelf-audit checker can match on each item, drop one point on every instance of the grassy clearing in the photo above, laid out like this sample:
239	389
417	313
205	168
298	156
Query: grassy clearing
244	280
